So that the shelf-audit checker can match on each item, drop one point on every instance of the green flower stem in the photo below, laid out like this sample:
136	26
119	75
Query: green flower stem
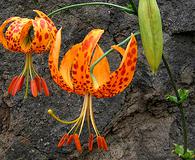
181	109
91	4
107	53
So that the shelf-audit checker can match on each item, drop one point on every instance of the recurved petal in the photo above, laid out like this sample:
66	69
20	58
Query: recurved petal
51	26
121	78
102	69
13	34
66	64
43	15
42	36
80	71
119	49
2	27
53	64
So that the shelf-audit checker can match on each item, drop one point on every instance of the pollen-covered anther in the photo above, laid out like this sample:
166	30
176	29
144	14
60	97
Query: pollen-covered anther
77	143
16	85
34	89
37	83
68	139
101	142
90	144
63	140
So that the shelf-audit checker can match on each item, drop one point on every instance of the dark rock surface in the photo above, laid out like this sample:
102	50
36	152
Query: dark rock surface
138	124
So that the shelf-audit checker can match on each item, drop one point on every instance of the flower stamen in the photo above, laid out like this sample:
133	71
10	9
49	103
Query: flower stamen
36	82
77	143
63	140
86	112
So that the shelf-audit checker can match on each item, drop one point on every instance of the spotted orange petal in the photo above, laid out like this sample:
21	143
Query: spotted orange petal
80	70
121	78
51	27
53	64
42	34
67	63
13	34
2	27
43	15
102	69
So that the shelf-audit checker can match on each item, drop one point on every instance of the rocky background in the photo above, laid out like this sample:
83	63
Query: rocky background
138	124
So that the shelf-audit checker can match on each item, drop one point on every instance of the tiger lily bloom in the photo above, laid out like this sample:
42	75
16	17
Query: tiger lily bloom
28	36
74	76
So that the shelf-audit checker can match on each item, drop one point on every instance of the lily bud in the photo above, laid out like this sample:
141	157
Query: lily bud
151	32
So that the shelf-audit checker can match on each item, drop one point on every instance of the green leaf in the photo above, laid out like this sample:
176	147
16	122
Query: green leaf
171	98
183	94
179	150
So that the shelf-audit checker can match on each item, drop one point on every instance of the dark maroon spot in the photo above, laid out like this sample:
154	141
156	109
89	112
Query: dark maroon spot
126	79
74	72
87	81
123	71
87	76
75	65
37	35
129	62
132	68
46	35
82	68
40	38
133	50
135	60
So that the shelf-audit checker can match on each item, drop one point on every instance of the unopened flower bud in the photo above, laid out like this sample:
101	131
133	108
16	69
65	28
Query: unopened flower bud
151	32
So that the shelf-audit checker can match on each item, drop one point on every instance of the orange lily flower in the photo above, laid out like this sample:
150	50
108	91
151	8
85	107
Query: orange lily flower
28	36
74	76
